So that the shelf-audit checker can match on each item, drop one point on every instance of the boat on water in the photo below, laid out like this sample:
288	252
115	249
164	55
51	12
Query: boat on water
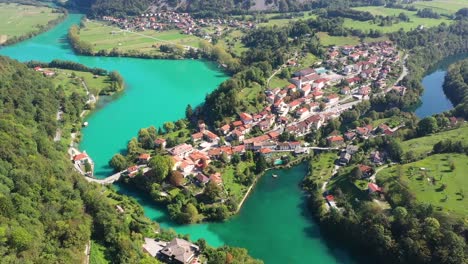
274	176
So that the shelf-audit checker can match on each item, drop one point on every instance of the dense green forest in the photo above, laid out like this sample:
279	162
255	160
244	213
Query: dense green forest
211	8
456	87
48	212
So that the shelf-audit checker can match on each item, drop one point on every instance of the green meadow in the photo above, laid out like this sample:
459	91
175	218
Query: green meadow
414	22
438	179
442	6
18	20
105	37
425	144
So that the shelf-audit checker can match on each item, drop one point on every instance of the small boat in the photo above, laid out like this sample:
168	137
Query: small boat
85	124
274	176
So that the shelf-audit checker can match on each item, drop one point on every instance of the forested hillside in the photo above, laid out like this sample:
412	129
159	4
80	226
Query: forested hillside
110	7
47	210
213	7
456	87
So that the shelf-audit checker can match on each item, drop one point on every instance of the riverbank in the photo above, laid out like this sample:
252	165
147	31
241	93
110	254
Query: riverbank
24	21
433	88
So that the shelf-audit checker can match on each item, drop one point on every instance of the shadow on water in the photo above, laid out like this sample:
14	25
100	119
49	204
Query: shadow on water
313	231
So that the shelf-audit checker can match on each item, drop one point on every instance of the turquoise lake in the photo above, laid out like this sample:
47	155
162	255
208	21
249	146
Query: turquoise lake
274	223
433	99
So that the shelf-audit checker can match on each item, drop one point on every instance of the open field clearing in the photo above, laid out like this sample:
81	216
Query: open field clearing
18	20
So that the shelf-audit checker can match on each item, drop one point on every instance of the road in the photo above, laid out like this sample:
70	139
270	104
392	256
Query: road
115	177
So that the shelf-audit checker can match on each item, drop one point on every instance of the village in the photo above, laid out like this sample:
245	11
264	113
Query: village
314	97
166	20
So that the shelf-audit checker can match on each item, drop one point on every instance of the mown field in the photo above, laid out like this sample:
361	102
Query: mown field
424	145
71	85
442	6
415	21
438	179
17	20
104	37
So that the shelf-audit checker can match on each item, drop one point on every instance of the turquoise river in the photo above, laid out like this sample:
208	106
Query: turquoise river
274	224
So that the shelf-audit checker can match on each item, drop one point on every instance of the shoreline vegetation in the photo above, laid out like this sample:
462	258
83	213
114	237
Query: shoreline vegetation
386	229
40	28
114	223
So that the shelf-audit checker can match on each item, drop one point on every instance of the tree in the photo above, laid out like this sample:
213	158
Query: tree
169	126
161	166
261	164
176	178
212	192
192	212
118	162
427	126
356	173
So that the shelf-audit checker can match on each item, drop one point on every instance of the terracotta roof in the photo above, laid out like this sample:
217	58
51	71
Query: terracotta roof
144	156
335	138
364	168
80	156
132	169
197	135
265	150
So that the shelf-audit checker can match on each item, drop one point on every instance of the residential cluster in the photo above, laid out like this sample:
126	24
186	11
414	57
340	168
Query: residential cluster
313	97
166	20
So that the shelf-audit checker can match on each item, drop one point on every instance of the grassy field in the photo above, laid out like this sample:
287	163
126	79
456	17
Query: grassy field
424	144
17	20
247	97
104	37
70	85
230	184
323	165
285	21
432	180
327	40
232	42
442	6
278	82
415	21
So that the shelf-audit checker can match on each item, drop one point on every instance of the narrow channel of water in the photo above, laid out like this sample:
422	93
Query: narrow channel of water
433	99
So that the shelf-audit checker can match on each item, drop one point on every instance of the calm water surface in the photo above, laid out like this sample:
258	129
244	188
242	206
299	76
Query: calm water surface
274	223
433	99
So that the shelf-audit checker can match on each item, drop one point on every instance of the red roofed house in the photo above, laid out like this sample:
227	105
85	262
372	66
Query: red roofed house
266	152
81	158
373	188
181	150
197	136
306	89
366	170
237	123
246	118
333	98
144	158
160	142
317	94
335	140
224	129
132	171
301	113
210	137
320	83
